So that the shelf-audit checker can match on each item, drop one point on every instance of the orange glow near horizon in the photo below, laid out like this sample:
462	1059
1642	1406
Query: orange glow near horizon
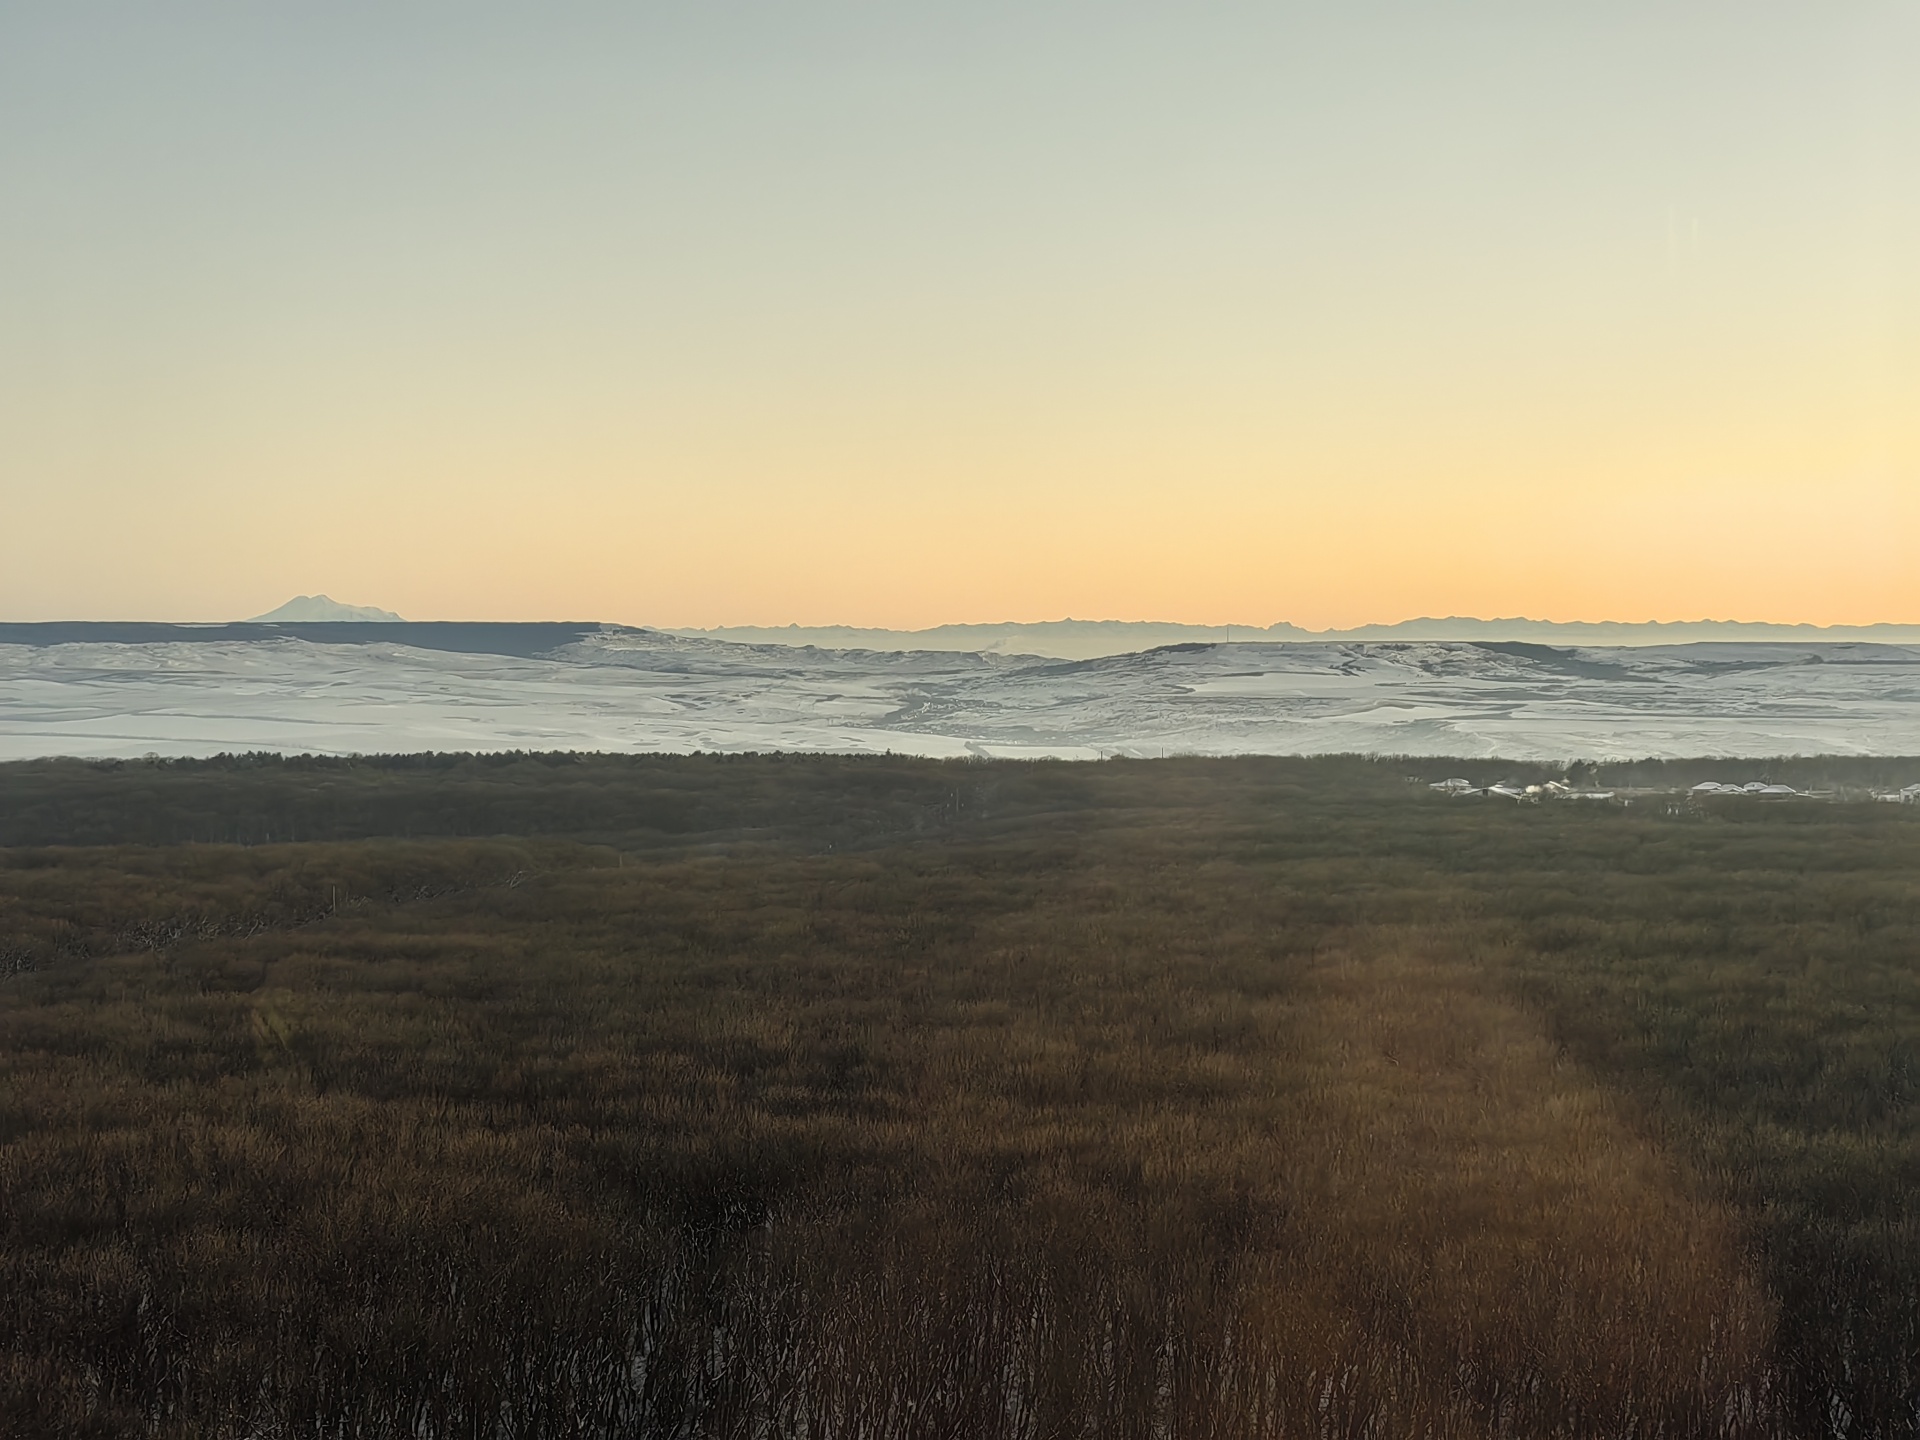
680	323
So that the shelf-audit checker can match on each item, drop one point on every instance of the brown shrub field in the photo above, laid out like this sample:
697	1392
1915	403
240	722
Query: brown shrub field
895	1098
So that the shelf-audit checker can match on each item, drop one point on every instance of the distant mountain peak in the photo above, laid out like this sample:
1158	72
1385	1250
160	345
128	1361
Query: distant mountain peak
305	609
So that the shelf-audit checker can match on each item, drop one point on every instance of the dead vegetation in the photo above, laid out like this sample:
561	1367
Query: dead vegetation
1154	1101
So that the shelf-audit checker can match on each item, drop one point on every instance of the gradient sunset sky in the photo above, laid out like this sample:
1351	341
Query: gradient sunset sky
898	314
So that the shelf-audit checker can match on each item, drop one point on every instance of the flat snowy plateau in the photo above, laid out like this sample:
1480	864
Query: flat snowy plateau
99	690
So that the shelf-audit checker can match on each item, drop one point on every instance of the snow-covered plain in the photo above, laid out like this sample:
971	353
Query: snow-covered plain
632	690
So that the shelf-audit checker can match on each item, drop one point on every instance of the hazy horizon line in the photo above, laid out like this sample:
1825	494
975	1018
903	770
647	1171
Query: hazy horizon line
1290	625
901	629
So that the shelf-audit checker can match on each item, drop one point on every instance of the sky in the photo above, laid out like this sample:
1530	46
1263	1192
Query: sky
904	314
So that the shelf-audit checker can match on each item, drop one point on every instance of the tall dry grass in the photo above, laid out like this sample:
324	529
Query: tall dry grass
1118	1131
1543	1264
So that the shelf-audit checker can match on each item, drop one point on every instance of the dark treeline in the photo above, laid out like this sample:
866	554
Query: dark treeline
641	802
885	1097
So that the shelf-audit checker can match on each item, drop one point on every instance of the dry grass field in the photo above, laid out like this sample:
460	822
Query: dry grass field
758	1097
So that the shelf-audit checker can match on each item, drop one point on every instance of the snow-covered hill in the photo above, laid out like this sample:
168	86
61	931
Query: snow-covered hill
1088	639
78	690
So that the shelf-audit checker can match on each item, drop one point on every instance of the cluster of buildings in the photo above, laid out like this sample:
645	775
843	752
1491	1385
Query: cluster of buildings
1705	790
1515	790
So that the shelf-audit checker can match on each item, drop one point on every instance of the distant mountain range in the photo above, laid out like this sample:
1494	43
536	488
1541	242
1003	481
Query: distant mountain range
306	609
1090	639
1094	639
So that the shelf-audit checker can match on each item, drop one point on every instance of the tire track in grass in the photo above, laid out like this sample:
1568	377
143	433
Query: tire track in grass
1539	1267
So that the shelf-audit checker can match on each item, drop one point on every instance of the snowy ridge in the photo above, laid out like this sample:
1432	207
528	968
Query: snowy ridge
1086	639
398	687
